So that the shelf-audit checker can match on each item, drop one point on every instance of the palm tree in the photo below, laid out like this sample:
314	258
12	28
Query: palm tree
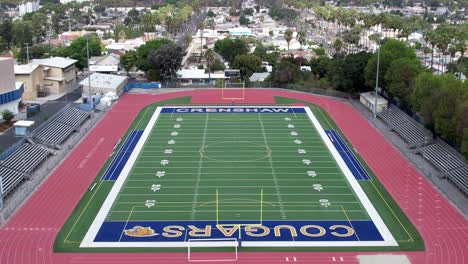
301	38
210	56
201	27
288	35
431	38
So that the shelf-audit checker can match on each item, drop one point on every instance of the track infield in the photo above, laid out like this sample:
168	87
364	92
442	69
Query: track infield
259	177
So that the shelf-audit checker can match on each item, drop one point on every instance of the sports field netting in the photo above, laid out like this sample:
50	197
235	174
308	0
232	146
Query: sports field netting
267	177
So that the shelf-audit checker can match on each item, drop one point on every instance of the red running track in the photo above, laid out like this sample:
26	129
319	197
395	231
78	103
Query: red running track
29	236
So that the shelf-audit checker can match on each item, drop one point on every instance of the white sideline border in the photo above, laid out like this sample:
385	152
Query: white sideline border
88	240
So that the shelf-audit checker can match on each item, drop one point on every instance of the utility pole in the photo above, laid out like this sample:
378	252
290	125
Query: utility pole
377	79
89	72
27	52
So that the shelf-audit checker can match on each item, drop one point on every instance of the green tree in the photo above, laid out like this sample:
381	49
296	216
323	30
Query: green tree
230	48
288	35
7	115
143	52
247	64
39	26
448	113
22	32
390	51
464	145
210	58
338	45
346	75
77	50
286	72
6	32
166	61
400	78
128	60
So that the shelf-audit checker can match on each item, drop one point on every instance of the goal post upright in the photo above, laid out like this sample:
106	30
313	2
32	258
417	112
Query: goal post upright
237	86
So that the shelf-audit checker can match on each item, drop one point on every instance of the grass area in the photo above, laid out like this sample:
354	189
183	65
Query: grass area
206	180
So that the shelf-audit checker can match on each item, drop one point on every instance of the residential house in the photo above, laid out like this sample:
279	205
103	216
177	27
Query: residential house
105	64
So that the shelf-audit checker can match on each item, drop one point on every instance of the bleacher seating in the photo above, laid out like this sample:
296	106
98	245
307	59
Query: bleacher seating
460	178
405	126
26	158
10	179
72	117
61	127
443	159
55	133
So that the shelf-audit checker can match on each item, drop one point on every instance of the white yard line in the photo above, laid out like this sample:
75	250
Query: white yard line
199	171
88	240
273	172
389	240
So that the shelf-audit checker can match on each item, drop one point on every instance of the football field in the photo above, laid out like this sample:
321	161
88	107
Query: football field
263	176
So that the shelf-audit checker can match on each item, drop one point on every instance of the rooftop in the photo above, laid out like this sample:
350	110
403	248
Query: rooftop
25	68
58	62
100	80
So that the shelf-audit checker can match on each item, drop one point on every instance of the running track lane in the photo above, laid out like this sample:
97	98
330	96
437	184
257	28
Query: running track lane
29	236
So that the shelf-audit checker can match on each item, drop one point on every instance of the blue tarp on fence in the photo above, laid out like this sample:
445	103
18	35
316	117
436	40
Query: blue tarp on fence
142	85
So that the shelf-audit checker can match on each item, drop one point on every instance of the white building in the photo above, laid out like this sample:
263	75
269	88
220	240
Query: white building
69	1
28	7
104	83
105	64
368	99
198	77
10	90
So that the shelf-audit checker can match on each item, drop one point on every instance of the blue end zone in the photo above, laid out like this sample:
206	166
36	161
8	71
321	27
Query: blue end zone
348	156
236	110
180	231
113	171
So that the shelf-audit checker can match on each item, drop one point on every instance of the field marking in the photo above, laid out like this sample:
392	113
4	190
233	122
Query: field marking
273	172
126	223
237	194
88	240
252	244
293	203
81	214
349	221
199	170
339	210
391	210
381	196
242	186
371	211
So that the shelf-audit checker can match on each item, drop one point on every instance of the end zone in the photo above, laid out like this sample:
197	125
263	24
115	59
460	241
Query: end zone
311	233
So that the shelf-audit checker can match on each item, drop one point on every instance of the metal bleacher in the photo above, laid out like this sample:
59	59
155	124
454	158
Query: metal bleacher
61	127
412	132
452	164
20	164
459	177
442	158
55	133
10	178
26	156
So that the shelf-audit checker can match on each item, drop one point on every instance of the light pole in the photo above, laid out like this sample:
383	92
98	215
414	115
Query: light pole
377	78
89	72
